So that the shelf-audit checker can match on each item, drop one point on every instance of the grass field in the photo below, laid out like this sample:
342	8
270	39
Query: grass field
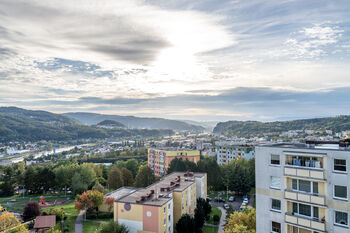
214	211
68	208
16	203
90	226
209	229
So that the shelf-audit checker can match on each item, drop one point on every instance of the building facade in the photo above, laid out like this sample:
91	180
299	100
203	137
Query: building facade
158	207
224	154
302	188
159	160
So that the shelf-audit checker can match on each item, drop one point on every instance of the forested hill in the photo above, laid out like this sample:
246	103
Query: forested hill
257	128
135	122
18	124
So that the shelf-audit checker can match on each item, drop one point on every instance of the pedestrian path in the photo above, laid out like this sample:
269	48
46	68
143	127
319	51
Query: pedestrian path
222	220
79	222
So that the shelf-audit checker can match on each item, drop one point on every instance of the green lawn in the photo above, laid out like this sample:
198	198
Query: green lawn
70	222
214	211
16	203
208	229
68	208
90	226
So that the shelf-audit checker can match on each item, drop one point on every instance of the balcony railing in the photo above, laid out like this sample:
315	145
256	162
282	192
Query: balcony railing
304	172
305	197
310	223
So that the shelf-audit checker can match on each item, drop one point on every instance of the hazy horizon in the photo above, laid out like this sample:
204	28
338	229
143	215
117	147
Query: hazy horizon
195	60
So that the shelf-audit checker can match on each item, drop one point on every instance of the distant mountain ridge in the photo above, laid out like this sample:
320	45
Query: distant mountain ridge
17	124
257	128
111	123
135	122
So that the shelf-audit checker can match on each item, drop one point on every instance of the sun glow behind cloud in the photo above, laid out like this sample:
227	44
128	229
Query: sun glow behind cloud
62	51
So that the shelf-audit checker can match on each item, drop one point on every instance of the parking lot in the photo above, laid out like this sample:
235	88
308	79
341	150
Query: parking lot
235	205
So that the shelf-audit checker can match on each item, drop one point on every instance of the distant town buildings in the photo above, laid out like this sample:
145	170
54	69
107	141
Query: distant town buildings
158	207
303	187
226	153
159	159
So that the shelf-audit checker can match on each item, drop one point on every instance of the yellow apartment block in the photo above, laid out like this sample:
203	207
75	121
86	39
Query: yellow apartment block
158	207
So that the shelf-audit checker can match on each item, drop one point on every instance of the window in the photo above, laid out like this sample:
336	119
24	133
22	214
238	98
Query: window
341	218
305	210
275	159
340	192
276	227
276	182
340	165
315	187
305	186
275	204
164	209
315	212
295	184
164	221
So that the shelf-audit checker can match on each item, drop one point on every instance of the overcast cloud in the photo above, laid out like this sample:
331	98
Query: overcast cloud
200	60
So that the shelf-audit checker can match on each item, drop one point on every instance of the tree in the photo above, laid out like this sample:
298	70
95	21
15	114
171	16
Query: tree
64	175
77	185
127	177
216	219
133	166
144	177
204	205
89	200
115	180
186	224
112	227
31	210
9	221
214	173
199	217
97	186
241	222
7	187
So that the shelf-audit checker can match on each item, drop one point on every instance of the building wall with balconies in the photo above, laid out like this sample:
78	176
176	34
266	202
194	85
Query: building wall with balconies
314	170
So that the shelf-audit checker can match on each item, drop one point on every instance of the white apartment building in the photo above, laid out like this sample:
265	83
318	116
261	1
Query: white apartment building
225	153
302	188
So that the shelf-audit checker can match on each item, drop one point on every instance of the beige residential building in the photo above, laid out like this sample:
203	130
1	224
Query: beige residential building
303	188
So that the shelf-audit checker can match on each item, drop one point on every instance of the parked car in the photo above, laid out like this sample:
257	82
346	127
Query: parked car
245	199
219	199
226	206
208	198
232	198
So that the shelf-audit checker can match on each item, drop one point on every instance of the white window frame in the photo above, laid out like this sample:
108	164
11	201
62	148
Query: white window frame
276	210
277	165
339	224
280	227
337	171
273	187
341	198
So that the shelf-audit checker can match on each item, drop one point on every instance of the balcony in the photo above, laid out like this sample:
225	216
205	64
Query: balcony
304	172
313	224
305	197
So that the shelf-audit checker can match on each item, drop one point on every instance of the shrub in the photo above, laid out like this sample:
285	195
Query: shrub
216	219
112	227
56	211
31	210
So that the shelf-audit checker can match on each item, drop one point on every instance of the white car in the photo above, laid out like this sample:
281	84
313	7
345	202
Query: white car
232	198
226	206
245	200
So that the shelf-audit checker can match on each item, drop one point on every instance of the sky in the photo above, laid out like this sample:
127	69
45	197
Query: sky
204	60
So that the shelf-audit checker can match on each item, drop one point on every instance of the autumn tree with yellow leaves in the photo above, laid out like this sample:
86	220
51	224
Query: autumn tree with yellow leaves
242	222
9	221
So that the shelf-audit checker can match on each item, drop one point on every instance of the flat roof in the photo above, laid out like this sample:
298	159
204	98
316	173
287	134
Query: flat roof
172	149
158	193
121	192
324	146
